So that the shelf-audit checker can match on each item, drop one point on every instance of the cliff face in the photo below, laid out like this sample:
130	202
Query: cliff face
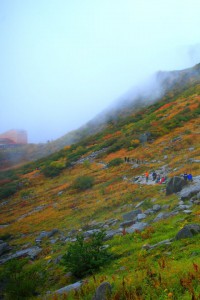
16	136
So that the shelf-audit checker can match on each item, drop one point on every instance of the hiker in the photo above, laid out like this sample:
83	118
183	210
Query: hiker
162	180
125	159
146	176
154	175
189	177
185	176
158	178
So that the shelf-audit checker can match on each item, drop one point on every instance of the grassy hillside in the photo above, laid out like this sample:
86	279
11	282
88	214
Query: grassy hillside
49	196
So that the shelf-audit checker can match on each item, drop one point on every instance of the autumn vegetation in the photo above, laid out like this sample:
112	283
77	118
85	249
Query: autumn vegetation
72	194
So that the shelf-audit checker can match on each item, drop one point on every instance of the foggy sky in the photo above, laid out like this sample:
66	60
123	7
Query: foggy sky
62	62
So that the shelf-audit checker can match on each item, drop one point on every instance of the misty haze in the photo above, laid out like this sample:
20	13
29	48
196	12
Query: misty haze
64	63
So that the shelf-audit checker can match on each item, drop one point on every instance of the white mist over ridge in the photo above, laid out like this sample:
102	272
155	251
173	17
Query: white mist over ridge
64	62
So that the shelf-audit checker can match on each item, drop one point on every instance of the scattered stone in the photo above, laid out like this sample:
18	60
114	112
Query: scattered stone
192	160
162	216
31	252
139	226
131	215
45	234
103	292
183	207
188	231
127	223
150	247
187	211
89	233
4	225
149	211
141	217
166	206
156	207
139	204
111	233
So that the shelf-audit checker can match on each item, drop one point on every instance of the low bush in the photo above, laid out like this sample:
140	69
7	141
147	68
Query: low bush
115	162
8	189
83	183
53	169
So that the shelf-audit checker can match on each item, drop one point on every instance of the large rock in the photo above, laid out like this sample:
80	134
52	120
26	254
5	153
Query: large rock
131	215
188	231
175	185
103	292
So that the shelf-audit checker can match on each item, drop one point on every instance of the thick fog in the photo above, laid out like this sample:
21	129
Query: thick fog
62	62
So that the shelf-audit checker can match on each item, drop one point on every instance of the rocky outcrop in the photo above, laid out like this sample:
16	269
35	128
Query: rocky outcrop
175	185
30	252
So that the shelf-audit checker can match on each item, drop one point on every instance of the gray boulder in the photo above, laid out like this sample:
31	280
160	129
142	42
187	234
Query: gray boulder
175	185
103	292
188	231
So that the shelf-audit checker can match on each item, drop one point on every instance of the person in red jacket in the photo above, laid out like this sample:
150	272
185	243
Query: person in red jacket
146	176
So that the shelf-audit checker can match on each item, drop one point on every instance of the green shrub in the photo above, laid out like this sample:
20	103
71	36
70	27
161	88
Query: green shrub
52	170
115	162
83	183
86	257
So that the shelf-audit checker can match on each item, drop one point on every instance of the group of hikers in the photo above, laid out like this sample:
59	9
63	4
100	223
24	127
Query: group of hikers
187	176
157	178
133	160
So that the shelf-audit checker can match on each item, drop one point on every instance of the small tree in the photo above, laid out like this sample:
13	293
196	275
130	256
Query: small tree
86	257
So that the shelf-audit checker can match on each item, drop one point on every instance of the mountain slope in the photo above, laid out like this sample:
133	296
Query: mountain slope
43	208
